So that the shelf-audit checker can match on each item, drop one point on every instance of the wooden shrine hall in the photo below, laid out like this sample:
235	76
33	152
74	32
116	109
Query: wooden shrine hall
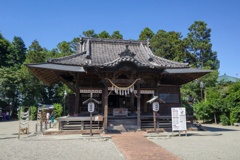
121	74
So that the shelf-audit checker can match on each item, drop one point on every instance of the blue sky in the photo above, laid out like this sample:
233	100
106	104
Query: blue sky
53	21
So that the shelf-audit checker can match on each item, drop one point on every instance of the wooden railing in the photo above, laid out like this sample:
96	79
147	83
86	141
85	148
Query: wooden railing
80	123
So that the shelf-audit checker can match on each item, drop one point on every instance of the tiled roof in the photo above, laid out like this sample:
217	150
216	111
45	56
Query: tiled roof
109	53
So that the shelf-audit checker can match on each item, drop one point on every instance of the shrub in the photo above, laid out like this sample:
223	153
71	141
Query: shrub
203	111
33	113
18	113
224	120
57	110
234	115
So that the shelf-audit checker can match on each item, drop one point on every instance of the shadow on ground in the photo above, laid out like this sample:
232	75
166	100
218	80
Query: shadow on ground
217	129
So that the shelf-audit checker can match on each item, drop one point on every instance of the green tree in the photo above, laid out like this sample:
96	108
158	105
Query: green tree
10	78
90	34
65	48
12	56
233	101
200	47
169	45
146	34
18	52
116	35
31	88
104	34
5	49
35	53
74	43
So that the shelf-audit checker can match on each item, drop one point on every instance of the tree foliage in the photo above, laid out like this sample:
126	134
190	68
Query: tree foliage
103	34
90	34
199	45
146	34
116	35
223	101
169	45
5	50
58	109
18	52
65	48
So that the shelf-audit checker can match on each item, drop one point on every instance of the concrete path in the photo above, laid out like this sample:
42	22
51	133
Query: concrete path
134	146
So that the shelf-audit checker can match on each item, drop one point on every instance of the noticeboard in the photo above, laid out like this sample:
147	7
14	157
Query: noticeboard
178	119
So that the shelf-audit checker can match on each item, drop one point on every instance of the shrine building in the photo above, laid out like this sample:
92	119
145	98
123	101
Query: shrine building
121	76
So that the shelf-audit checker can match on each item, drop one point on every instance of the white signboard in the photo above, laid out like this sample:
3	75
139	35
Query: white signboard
91	107
90	91
155	106
179	119
145	92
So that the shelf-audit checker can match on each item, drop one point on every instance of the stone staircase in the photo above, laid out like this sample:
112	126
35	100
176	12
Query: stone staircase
160	123
122	125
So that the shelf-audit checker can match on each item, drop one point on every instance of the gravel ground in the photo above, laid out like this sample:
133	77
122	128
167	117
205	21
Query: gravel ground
208	146
36	147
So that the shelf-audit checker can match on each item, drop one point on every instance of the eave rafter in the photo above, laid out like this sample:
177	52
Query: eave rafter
71	86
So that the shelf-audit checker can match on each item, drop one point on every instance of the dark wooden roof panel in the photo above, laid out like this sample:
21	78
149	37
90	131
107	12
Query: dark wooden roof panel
48	72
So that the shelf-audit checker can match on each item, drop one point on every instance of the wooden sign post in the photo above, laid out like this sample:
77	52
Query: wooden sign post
91	107
155	107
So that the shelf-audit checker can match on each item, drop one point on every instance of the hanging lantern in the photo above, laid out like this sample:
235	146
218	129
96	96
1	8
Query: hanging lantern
131	89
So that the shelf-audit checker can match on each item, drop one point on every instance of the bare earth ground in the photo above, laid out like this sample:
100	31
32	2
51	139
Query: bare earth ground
209	146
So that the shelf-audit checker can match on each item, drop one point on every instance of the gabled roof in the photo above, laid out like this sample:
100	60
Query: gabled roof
109	53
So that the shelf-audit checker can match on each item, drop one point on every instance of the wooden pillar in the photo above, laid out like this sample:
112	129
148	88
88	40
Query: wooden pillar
138	107
103	101
145	99
77	94
132	103
105	122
